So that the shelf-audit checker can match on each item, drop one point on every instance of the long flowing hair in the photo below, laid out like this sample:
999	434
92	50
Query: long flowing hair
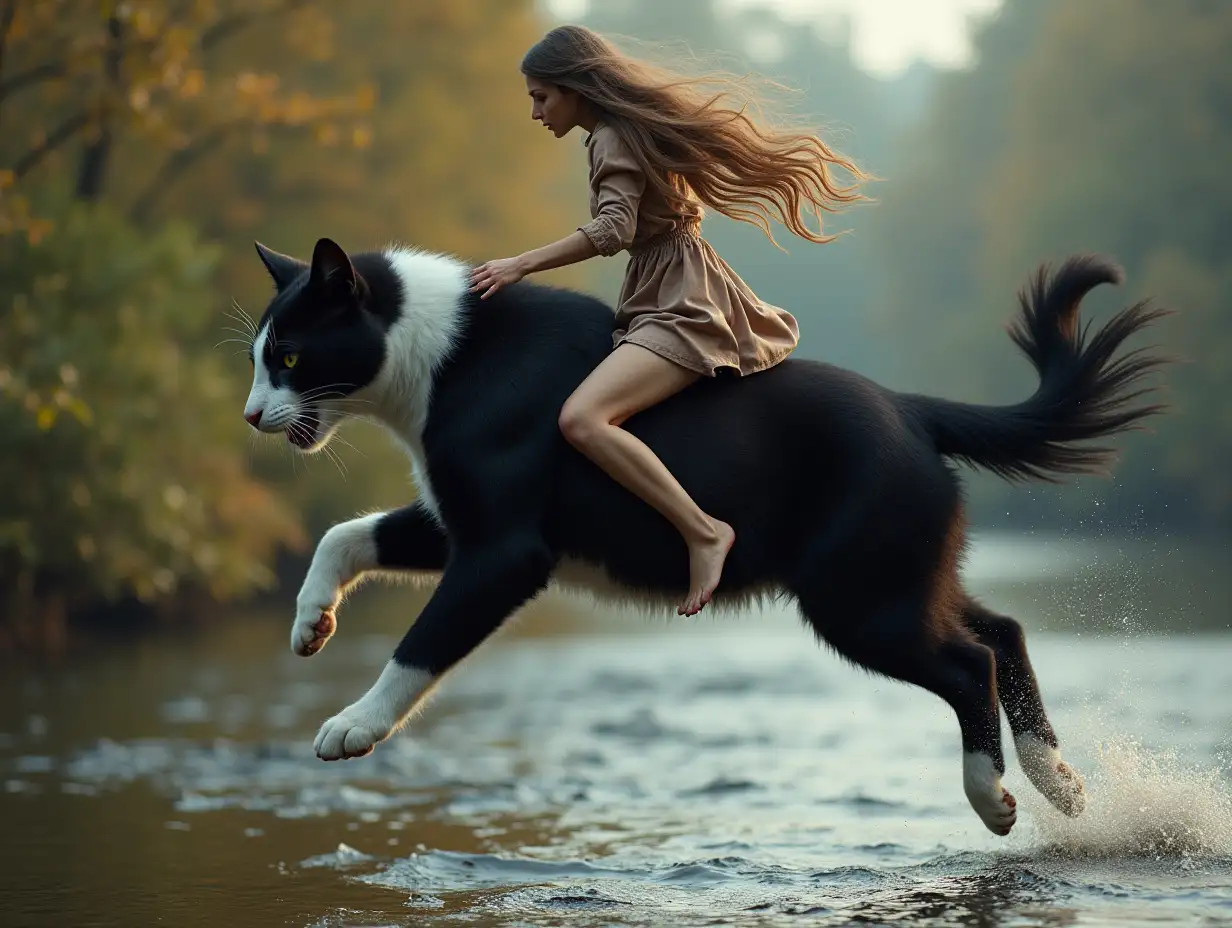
705	135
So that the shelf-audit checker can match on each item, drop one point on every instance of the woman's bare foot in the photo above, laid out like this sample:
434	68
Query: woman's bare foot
706	567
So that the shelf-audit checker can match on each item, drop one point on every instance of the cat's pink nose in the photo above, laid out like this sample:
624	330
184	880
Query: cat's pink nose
253	419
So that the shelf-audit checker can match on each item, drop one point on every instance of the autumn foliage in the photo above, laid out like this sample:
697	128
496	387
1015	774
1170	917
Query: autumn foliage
143	145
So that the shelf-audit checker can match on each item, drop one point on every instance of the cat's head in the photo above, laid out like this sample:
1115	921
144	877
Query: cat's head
319	342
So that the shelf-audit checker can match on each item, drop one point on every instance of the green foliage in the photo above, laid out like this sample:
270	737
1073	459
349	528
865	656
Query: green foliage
1083	126
454	163
928	230
128	466
119	474
1096	126
128	96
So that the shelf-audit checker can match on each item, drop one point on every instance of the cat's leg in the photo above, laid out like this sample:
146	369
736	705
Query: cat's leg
1039	752
484	583
406	539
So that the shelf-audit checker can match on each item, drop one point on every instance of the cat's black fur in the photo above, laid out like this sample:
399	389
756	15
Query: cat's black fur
840	491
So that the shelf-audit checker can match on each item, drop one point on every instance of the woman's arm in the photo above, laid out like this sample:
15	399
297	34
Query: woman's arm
502	272
574	247
618	184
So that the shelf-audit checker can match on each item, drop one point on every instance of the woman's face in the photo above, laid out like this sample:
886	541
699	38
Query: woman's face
560	110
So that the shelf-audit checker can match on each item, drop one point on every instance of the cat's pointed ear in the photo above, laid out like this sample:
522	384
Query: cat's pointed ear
282	268
332	270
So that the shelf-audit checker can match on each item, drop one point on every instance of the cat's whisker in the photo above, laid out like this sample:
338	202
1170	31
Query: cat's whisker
301	419
336	437
354	412
362	415
305	424
331	386
349	445
334	392
333	456
337	400
294	428
243	316
358	413
240	332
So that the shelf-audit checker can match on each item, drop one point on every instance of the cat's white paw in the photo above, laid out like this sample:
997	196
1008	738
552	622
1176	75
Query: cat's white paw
358	728
992	802
1054	778
309	636
353	732
315	622
997	813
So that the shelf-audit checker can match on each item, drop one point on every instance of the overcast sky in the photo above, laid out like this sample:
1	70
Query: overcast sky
887	35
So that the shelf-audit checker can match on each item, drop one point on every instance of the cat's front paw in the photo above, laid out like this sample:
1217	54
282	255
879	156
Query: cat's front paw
312	629
315	622
353	732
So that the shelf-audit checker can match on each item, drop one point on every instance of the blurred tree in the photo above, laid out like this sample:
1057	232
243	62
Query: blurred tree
1099	126
927	230
137	85
251	119
1120	142
449	160
114	481
453	163
122	479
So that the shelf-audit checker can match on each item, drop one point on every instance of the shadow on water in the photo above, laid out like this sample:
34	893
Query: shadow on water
591	769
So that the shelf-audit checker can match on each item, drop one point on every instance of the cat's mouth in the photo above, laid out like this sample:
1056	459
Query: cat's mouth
302	433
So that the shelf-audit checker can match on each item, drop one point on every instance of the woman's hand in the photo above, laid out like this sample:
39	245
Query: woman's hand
502	272
496	274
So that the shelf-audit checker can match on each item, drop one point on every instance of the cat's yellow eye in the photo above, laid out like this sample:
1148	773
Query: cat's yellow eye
289	360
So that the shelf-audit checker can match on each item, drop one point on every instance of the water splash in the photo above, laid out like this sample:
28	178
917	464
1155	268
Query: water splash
1142	803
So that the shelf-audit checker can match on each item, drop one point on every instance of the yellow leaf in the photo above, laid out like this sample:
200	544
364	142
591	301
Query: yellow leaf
37	229
46	418
81	412
193	83
145	23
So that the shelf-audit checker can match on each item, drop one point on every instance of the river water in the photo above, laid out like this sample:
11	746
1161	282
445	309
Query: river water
587	768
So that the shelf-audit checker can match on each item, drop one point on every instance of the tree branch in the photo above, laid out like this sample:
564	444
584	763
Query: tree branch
61	134
225	28
53	69
33	75
97	156
6	21
180	161
175	165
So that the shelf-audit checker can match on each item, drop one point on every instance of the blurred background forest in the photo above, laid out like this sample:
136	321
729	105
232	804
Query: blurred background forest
144	145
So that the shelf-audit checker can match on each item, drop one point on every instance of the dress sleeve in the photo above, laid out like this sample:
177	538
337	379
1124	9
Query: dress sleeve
618	183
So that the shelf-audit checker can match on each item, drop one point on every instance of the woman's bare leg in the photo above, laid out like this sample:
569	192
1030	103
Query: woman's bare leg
631	379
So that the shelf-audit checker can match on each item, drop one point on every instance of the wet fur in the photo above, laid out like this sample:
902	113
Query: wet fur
842	493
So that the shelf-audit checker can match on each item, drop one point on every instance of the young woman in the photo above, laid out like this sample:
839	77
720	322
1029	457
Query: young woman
660	147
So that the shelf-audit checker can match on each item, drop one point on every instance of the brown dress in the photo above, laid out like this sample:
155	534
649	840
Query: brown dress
679	298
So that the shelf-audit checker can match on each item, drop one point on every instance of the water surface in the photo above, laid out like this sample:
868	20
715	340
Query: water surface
606	770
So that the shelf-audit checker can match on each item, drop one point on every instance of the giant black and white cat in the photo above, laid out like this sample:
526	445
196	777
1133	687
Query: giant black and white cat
841	492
